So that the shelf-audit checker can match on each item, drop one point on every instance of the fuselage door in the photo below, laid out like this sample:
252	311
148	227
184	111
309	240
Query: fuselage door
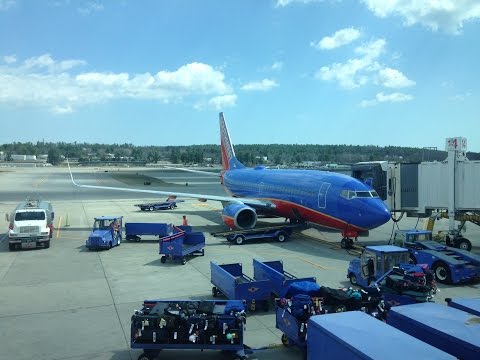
322	195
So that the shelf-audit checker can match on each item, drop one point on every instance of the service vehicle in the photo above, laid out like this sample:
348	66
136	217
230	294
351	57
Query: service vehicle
154	206
30	225
106	233
279	233
450	265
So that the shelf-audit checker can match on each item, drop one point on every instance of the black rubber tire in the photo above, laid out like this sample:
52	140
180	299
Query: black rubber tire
282	236
285	340
171	207
151	208
47	244
343	243
184	261
109	245
239	239
214	291
462	243
353	279
442	273
163	259
11	247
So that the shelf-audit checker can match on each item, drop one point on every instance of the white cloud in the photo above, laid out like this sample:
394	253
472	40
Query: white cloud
44	81
223	101
339	38
264	85
283	3
277	66
449	15
10	59
6	4
355	72
90	8
393	78
392	98
460	97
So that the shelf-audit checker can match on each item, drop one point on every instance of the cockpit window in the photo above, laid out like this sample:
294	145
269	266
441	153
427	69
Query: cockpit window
363	194
350	194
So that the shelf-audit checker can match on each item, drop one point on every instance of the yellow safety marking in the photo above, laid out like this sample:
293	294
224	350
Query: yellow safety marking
312	263
58	227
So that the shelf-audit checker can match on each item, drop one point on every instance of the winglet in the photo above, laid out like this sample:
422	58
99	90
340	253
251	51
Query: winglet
229	160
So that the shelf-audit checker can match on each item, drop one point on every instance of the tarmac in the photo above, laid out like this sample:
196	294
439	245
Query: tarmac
69	303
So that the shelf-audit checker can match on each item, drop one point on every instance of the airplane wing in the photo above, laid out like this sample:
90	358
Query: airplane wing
224	199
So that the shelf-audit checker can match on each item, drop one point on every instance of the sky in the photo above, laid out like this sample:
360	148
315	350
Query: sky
158	72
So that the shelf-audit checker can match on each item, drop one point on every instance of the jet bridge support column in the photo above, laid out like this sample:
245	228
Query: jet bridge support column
456	148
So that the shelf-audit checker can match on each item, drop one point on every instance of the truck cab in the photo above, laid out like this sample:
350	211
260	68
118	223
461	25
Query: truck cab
408	238
30	225
106	233
374	262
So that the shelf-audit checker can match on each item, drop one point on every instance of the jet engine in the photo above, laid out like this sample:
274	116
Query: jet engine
239	216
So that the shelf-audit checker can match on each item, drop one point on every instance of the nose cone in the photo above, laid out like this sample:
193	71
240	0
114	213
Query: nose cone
378	214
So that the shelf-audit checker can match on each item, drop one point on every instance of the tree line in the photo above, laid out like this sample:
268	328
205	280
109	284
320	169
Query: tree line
275	154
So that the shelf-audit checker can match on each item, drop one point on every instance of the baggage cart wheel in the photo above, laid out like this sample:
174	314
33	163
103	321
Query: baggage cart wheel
285	340
171	207
184	261
163	259
239	239
214	291
282	236
203	252
353	279
340	308
151	208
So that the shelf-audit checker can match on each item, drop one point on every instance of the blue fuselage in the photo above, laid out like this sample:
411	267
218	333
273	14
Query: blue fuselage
321	197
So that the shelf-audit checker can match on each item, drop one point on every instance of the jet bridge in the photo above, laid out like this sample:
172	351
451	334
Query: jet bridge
445	189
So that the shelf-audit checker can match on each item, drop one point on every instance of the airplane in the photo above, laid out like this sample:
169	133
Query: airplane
327	199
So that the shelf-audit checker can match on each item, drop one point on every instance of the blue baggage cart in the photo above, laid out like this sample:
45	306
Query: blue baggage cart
446	328
135	231
189	325
229	280
274	271
182	243
354	335
294	330
470	305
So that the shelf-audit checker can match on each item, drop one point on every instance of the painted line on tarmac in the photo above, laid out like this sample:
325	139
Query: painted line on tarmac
312	263
58	227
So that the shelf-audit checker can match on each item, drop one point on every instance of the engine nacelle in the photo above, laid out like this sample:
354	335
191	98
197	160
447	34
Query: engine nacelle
239	216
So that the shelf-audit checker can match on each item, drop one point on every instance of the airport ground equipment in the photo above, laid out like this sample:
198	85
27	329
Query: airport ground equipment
355	335
189	325
433	190
106	233
276	274
407	284
154	206
304	301
450	265
279	233
446	328
229	280
374	262
30	225
469	305
135	231
182	243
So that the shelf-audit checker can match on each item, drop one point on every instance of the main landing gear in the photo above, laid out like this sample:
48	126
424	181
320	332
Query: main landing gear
346	243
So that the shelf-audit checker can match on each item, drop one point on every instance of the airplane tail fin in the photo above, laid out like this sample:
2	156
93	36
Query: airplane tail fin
229	160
